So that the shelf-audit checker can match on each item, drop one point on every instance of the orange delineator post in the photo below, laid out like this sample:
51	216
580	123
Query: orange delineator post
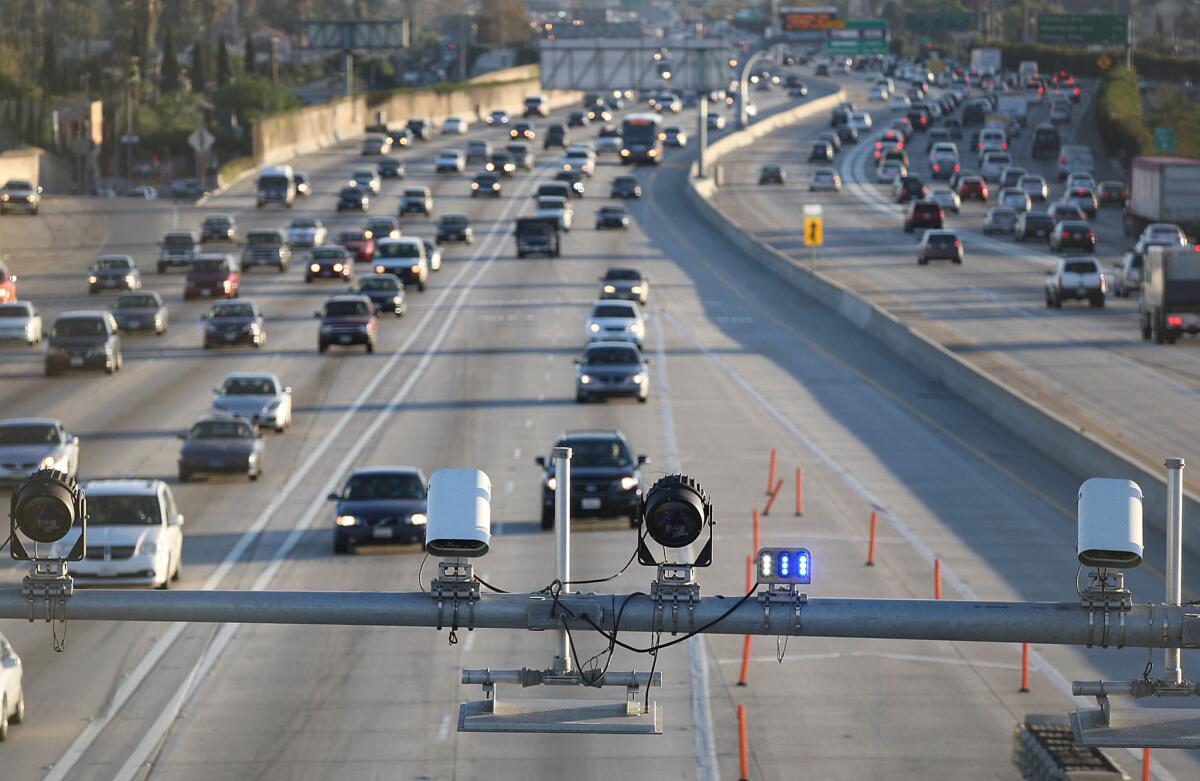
1145	764
799	490
772	497
745	675
771	472
871	544
744	745
1024	667
937	578
757	547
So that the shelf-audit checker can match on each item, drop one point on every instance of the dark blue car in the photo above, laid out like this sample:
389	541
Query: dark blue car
382	504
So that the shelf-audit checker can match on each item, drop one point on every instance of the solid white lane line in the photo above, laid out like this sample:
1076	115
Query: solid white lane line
703	743
300	476
954	662
1037	660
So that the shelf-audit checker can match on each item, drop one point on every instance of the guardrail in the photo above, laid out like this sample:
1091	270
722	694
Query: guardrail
1056	437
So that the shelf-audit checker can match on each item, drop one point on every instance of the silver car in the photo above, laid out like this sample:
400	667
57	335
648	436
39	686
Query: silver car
30	444
999	219
616	321
20	195
20	322
306	232
626	284
1035	187
613	368
556	207
825	179
1015	198
947	199
368	179
12	688
257	396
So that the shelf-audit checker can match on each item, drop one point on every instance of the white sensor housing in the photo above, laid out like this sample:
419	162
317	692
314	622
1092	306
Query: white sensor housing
459	513
1110	523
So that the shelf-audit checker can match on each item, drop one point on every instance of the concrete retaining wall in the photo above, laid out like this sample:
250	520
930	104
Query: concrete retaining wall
1056	437
37	166
280	137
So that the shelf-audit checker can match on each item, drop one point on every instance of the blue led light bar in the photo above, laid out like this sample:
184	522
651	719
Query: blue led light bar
784	565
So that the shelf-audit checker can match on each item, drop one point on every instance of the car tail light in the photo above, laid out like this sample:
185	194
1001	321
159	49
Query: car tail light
956	169
1062	160
958	244
879	145
937	167
1004	145
1174	320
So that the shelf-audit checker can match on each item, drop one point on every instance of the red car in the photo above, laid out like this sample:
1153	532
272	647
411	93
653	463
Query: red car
924	214
973	188
213	276
359	243
8	285
347	320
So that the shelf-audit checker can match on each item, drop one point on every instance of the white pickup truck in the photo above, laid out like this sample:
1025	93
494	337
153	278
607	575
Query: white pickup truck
1075	279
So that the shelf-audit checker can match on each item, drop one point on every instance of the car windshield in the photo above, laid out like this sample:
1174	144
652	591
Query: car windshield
113	264
610	355
363	176
414	193
303	222
249	386
400	249
136	302
345	236
454	219
384	486
329	253
597	452
14	310
380	283
231	310
623	274
942	238
28	434
221	429
1080	267
612	311
209	265
346	309
217	222
351	192
179	241
17	184
264	238
123	511
80	326
551	204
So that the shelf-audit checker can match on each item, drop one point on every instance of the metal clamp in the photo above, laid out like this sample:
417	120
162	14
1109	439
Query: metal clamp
1106	593
50	584
675	585
455	582
785	594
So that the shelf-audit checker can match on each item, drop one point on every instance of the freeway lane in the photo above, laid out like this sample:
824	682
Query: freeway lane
746	366
1088	365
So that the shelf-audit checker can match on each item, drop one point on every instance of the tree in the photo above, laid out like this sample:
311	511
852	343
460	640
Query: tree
50	64
222	62
170	63
250	57
199	72
503	23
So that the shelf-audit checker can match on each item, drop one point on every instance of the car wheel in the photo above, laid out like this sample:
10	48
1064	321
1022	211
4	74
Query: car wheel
111	366
322	347
92	291
643	399
162	268
580	398
4	719
370	346
253	475
1049	302
1058	302
340	545
421	285
547	518
1157	329
18	716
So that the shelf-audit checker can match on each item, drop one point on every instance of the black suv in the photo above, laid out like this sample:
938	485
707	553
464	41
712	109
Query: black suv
556	136
924	214
84	340
1046	141
626	187
382	504
606	477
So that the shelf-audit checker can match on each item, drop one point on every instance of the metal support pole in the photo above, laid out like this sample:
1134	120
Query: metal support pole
1173	672
702	135
349	66
562	543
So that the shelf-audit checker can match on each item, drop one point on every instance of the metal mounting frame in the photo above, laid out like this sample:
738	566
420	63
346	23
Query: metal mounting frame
784	594
50	583
455	583
1106	593
673	586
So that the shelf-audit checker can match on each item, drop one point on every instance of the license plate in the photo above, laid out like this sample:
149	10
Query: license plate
344	339
230	337
1080	292
215	464
590	503
382	534
76	361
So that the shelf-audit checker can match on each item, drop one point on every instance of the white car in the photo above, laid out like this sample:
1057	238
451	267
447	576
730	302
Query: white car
825	179
608	145
12	688
1163	233
616	320
947	199
901	102
450	161
1034	186
257	396
1015	198
456	126
30	444
993	164
557	207
716	120
306	232
134	535
1076	279
889	170
368	178
861	121
879	94
20	322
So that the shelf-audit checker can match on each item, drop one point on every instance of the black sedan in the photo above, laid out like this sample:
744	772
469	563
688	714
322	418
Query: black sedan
221	446
353	199
1072	234
822	152
331	261
612	217
233	322
383	504
772	174
386	292
141	311
606	477
390	168
626	187
486	183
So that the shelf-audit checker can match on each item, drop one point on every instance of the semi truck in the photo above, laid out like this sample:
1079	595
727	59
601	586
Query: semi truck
1163	189
985	61
1170	302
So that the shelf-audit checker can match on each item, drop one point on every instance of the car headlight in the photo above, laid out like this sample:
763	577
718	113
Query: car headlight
653	153
337	267
474	185
610	289
594	328
638	378
380	269
415	267
552	483
417	519
495	185
92	279
129	278
636	289
628	483
4	197
149	547
397	299
49	462
585	379
347	520
315	267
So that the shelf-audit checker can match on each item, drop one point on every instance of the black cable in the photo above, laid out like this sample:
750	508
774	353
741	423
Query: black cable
420	570
650	680
487	585
659	646
4	544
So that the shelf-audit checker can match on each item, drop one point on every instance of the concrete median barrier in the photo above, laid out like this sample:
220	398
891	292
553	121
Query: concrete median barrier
1058	438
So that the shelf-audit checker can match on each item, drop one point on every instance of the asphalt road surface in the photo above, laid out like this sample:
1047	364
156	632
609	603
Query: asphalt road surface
479	373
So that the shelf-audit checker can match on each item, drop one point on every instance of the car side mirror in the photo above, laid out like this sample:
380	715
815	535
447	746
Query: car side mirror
317	314
287	389
332	497
643	460
177	520
540	461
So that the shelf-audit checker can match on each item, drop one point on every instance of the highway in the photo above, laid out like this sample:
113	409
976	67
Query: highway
479	373
1089	365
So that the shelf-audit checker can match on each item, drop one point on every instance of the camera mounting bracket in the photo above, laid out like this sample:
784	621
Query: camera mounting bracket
49	583
1106	593
787	595
455	583
674	586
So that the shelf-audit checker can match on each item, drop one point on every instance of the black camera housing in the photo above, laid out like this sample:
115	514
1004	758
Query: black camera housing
60	503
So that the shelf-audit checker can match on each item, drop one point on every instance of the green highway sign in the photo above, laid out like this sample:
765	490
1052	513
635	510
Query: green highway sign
950	22
1164	139
1082	29
864	36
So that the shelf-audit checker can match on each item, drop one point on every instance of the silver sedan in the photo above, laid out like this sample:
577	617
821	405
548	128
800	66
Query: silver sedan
20	322
257	396
30	444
